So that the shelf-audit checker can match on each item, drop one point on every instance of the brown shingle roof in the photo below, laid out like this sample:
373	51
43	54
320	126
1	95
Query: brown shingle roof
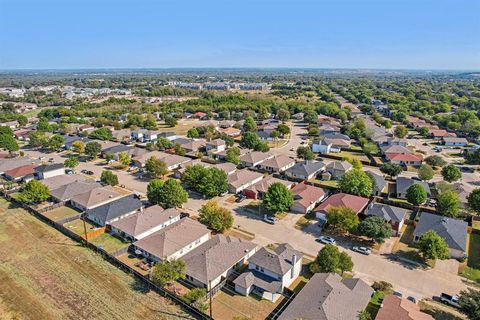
306	194
21	171
394	307
345	200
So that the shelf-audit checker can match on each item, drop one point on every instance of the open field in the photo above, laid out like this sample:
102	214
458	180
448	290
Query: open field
45	275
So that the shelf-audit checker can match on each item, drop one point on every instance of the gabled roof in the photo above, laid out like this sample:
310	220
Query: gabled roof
344	200
455	139
394	307
57	181
256	156
261	280
403	157
22	171
278	162
114	209
117	149
306	195
306	168
214	257
278	260
242	177
454	231
227	167
339	165
216	143
95	196
388	213
67	191
403	183
395	148
327	296
145	220
380	181
49	167
264	184
172	238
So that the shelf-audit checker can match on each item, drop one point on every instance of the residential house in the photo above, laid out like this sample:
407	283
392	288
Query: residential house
381	185
216	259
231	132
395	149
254	158
258	190
69	140
58	181
22	134
340	136
145	222
242	179
215	146
94	198
23	173
341	200
455	142
49	170
144	135
173	241
172	161
403	183
222	155
393	215
227	167
306	197
405	159
322	147
338	168
277	164
121	135
65	192
441	133
114	210
193	146
453	231
305	170
462	193
115	151
169	135
338	144
326	129
200	115
395	307
327	296
269	272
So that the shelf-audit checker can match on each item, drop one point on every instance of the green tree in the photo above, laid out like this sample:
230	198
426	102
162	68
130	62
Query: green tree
425	172
375	228
56	142
34	192
416	194
474	200
432	246
356	182
365	315
156	167
101	134
179	150
283	129
208	181
78	147
327	260
168	194
37	139
124	158
448	204
278	198
71	162
215	217
249	140
451	173
233	155
8	142
391	169
170	121
108	177
262	146
305	153
435	161
193	133
342	218
6	130
195	297
249	125
423	131
93	149
164	144
283	114
167	271
150	122
469	301
345	264
401	131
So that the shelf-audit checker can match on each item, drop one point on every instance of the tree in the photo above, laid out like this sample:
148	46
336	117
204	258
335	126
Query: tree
278	198
435	161
195	297
156	167
345	264
283	114
283	129
179	150
78	147
451	173
356	182
401	131
448	204
193	133
391	169
425	172
249	125
108	177
164	144
8	143
56	142
37	139
167	271
6	130
101	134
125	159
208	181
233	155
365	315
375	228
469	301
93	149
150	122
473	200
305	153
168	194
423	131
249	140
34	192
342	218
327	260
171	121
262	146
432	246
215	217
71	162
416	194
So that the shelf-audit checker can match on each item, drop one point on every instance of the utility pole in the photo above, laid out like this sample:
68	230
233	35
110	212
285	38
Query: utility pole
84	228
210	295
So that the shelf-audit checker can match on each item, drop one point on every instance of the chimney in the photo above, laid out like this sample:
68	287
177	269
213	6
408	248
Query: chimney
294	261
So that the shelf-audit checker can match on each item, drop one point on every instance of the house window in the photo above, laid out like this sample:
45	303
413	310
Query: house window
197	241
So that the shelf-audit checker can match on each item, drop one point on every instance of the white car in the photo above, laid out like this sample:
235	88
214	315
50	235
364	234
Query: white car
362	250
325	240
270	219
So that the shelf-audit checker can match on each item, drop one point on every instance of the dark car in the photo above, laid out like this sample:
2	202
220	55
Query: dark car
240	198
87	172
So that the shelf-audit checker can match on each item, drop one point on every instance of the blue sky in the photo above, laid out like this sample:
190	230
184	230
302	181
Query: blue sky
391	34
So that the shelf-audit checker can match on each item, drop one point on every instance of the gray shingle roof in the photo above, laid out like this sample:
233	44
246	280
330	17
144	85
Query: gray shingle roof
252	277
117	149
403	183
49	167
388	213
380	181
277	260
306	168
114	209
454	231
66	192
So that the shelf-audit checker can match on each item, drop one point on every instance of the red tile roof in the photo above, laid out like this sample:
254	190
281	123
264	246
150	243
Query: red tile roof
345	200
403	157
21	171
394	307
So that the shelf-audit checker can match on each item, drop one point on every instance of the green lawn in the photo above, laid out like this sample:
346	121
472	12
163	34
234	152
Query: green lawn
472	270
375	303
77	226
109	243
330	184
61	213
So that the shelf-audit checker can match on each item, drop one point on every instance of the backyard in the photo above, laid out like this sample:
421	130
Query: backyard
472	269
61	213
109	243
45	275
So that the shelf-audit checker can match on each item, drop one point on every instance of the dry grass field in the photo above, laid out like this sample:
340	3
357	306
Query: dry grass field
45	275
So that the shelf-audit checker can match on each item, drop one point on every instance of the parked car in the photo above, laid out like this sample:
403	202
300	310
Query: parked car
412	298
362	250
398	294
69	171
240	198
87	172
432	202
51	160
449	299
269	219
325	240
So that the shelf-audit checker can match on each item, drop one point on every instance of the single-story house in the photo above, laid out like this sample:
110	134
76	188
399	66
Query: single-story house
216	259
441	133
222	155
277	164
381	185
58	181
338	168
253	159
395	307
257	190
114	210
94	198
242	179
454	232
305	170
403	183
338	144
70	139
145	222
65	192
269	272
327	296
216	145
172	241
231	132
306	197
49	170
172	161
227	167
116	150
23	173
193	146
454	141
395	216
394	149
405	159
345	200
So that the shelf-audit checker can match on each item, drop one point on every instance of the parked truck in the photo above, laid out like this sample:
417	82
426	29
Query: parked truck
449	299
